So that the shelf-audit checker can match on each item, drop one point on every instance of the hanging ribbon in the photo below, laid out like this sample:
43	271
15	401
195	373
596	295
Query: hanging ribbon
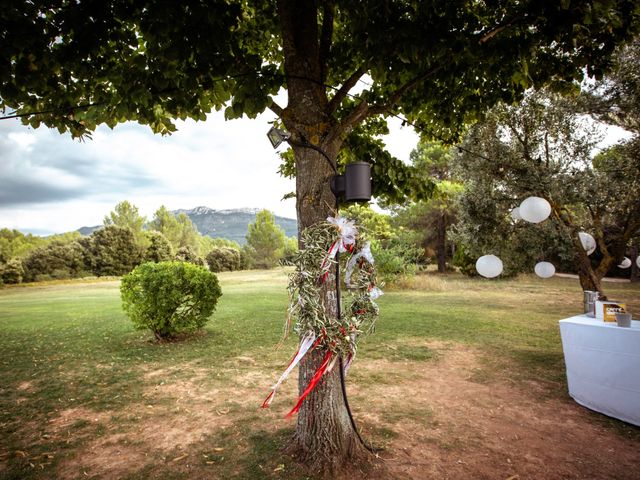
308	342
348	361
347	233
326	362
326	262
365	253
375	292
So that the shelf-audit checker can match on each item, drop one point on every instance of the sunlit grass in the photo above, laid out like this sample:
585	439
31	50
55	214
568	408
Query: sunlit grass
67	345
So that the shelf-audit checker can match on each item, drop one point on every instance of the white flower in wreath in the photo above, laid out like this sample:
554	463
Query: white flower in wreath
365	253
375	292
346	229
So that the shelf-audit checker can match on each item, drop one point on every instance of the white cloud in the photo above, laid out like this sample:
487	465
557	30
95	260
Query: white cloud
49	182
52	183
23	140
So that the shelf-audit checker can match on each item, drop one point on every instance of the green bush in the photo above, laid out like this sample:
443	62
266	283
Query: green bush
169	298
224	259
159	249
112	250
188	254
55	261
395	259
465	262
12	271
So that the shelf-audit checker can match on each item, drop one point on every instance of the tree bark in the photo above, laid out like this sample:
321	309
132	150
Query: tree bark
441	242
635	270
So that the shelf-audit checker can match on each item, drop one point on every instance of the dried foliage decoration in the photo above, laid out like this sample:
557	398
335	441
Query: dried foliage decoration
309	280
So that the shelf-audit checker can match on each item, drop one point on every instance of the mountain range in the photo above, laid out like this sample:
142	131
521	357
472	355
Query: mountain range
231	224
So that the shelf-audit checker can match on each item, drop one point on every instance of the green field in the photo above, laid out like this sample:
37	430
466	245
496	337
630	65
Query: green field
83	395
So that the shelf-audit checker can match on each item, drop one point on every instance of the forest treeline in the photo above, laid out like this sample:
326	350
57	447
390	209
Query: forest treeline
127	239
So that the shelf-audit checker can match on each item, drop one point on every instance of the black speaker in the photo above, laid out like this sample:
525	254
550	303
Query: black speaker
355	184
358	182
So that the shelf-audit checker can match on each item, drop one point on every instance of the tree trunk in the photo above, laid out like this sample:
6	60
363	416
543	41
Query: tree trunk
588	278
441	242
635	270
324	439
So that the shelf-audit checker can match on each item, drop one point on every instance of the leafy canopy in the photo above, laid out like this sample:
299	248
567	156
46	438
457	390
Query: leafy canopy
439	64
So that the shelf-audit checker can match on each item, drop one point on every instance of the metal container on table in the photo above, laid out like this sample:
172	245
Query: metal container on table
589	302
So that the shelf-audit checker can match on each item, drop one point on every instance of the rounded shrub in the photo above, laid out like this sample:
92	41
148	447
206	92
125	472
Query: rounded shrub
169	298
188	254
224	259
12	272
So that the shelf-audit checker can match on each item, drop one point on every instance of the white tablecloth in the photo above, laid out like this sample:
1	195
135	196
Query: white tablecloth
603	366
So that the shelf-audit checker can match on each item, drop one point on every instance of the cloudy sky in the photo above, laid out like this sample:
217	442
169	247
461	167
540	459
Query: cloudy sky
50	183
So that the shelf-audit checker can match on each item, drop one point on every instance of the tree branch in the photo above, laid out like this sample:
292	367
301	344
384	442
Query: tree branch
343	91
326	38
363	110
496	30
275	108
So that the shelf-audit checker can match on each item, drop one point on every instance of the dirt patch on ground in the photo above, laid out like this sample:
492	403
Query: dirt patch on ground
178	412
25	386
450	425
75	416
446	417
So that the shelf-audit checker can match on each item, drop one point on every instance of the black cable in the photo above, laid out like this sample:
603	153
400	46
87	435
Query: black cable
341	365
311	146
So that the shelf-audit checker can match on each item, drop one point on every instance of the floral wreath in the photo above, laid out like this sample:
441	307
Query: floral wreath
317	329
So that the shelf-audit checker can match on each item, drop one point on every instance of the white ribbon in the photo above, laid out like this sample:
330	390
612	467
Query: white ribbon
305	345
347	231
364	253
375	292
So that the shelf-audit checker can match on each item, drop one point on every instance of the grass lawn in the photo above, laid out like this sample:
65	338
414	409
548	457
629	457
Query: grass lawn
83	395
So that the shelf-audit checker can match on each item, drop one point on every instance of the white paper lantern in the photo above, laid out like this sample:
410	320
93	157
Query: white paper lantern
638	261
545	269
588	242
515	214
489	266
625	263
534	209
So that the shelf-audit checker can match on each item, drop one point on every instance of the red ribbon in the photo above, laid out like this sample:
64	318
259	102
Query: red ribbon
312	384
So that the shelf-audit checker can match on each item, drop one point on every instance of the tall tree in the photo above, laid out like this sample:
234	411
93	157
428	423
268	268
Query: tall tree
265	240
126	215
440	64
178	229
433	217
112	250
166	223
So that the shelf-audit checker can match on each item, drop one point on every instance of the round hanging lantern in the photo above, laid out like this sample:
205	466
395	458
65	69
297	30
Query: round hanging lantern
534	209
545	269
588	242
489	266
625	263
638	261
515	214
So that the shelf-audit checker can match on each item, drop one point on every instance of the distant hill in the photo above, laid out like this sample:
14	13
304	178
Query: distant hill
230	224
88	230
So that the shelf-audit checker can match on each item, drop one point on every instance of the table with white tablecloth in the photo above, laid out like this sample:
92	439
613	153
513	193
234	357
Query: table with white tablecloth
603	365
